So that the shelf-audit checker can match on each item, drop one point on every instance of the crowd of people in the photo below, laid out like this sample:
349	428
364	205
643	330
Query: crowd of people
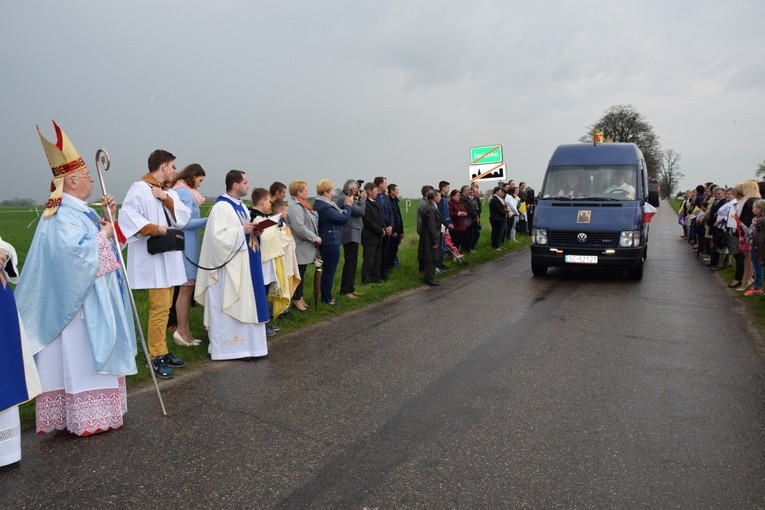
72	345
725	227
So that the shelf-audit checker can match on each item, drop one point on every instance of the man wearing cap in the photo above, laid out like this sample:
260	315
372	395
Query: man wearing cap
74	305
150	208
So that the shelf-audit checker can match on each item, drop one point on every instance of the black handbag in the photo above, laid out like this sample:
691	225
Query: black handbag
173	240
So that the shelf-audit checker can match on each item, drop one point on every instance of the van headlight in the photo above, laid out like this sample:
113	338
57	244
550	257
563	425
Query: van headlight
629	239
539	236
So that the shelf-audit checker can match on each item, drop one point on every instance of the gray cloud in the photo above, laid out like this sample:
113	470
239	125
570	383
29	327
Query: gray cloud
343	89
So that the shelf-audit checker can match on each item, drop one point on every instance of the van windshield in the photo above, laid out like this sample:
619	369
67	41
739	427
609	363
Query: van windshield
596	182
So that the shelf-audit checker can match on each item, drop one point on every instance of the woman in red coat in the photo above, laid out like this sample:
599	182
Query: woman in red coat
458	213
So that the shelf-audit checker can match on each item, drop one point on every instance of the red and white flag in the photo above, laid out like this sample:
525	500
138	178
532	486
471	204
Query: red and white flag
648	212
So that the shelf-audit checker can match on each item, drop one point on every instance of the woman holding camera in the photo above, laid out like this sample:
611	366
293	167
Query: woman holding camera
331	220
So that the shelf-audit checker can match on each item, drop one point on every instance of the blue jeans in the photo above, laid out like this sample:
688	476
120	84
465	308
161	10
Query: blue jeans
331	257
757	268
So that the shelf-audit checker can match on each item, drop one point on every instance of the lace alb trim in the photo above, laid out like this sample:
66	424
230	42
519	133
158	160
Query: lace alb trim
107	260
10	433
85	413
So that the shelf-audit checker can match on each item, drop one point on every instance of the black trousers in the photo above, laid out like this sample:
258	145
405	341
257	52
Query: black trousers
460	240
350	263
474	235
299	290
497	232
384	254
429	270
393	252
370	266
739	269
440	254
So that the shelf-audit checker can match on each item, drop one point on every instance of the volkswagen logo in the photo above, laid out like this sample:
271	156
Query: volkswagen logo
582	237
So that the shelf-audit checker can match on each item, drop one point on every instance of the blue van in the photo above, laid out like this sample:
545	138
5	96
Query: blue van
590	210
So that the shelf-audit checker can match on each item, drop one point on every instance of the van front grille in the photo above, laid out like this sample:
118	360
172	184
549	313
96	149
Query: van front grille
592	238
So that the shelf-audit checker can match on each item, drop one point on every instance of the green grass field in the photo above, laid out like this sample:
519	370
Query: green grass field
18	226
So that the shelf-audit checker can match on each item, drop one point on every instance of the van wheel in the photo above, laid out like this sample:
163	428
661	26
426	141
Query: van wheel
636	273
538	269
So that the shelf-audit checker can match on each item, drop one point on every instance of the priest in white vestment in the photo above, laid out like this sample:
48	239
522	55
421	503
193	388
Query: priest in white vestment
73	302
230	280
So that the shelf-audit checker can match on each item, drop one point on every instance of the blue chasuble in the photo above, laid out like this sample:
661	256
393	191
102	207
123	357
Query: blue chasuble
13	385
256	267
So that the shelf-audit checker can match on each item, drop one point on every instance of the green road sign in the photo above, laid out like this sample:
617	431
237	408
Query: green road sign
486	155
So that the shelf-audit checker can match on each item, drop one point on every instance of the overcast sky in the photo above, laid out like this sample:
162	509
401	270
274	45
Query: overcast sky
354	89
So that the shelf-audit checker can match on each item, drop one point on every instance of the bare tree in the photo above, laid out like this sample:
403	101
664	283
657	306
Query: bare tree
669	175
623	123
760	173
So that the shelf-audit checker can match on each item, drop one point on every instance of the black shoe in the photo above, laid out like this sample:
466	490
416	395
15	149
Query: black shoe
433	283
270	329
172	361
161	369
274	327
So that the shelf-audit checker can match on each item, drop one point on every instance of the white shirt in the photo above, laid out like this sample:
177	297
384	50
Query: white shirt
630	189
512	204
140	208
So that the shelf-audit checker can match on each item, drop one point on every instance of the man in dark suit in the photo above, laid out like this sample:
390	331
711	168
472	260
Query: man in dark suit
383	203
430	237
497	217
371	237
397	232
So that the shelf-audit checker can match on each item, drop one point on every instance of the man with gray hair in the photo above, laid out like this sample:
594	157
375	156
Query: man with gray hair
351	236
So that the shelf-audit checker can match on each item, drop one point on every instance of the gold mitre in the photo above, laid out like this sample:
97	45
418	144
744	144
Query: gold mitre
63	159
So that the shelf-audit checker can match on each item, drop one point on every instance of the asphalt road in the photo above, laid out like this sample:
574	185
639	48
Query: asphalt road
494	390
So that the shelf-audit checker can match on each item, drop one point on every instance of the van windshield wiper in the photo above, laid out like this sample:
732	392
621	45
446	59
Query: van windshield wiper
600	199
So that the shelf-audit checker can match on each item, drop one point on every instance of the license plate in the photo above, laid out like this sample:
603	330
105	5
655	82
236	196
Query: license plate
581	259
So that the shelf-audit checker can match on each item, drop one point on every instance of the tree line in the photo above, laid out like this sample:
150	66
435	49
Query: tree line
18	202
